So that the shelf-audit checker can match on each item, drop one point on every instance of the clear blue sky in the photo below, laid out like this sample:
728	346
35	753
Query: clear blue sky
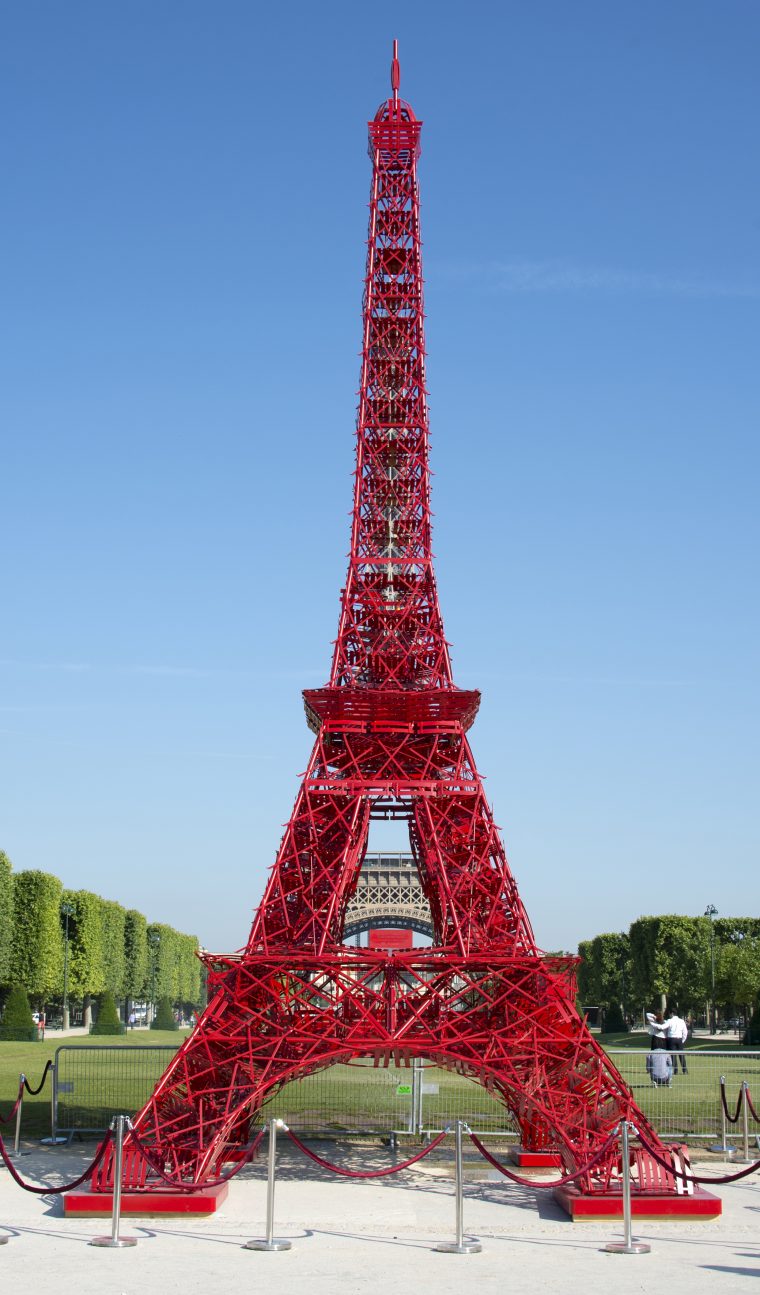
183	228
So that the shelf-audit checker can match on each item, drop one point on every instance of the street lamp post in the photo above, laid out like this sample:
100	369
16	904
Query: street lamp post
711	912
154	939
623	936
67	911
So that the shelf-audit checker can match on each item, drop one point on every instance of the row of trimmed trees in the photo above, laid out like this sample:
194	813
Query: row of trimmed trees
103	948
674	959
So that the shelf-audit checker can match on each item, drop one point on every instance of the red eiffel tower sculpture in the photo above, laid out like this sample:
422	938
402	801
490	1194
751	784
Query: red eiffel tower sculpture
391	743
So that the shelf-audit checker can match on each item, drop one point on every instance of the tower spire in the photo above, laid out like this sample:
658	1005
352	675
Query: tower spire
391	633
395	73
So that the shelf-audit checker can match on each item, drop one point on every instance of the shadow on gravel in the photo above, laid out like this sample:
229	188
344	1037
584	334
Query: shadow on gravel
725	1268
433	1175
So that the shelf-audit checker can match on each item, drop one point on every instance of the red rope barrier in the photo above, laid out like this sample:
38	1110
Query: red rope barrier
693	1178
6	1119
532	1182
34	1091
178	1183
750	1106
54	1191
731	1118
373	1173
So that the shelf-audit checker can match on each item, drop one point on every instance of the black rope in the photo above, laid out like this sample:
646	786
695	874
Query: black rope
34	1091
731	1118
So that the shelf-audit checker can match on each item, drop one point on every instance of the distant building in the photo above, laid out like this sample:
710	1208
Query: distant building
389	903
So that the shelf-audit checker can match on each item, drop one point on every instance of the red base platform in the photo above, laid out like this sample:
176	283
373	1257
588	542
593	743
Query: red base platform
535	1159
605	1205
89	1204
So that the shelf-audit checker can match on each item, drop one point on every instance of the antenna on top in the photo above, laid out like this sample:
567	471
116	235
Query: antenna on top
395	72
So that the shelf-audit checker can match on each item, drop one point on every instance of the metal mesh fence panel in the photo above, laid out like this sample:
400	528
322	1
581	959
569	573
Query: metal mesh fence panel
690	1105
363	1098
95	1082
356	1097
446	1097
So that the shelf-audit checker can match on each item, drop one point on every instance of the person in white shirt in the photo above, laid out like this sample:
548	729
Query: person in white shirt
676	1034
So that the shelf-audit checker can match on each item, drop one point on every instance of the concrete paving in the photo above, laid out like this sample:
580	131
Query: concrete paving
54	1034
355	1236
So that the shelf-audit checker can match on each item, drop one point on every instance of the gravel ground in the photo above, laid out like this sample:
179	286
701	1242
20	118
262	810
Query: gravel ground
368	1236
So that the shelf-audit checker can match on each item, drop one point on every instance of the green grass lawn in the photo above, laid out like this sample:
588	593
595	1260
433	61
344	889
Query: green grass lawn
691	1105
356	1097
360	1097
641	1040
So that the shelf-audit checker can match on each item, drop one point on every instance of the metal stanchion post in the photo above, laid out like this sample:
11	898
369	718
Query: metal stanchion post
115	1242
744	1159
727	1151
17	1152
269	1243
627	1246
460	1246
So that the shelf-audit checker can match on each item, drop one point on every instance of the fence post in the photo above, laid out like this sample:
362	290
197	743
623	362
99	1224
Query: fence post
415	1111
627	1246
420	1092
115	1242
53	1140
270	1243
459	1246
412	1121
724	1148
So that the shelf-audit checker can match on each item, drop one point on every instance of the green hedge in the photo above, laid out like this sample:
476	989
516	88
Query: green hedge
17	1025
109	948
108	1021
164	1016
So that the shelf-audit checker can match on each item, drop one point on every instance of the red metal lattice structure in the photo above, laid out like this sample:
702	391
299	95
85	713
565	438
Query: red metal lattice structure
391	742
